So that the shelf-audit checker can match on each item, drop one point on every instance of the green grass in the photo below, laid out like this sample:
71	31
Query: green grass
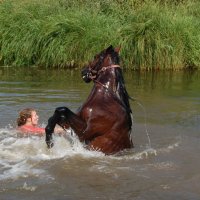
63	34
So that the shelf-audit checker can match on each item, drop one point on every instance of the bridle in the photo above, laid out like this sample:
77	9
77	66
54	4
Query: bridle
93	74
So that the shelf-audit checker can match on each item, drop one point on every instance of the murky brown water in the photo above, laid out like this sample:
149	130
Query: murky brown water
169	169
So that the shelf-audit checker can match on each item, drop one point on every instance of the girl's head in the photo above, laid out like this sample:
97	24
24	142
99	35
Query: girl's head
27	116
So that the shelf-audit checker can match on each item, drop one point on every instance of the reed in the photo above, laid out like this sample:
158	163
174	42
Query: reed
161	34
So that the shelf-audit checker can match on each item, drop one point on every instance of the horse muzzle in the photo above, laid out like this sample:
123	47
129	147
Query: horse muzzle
86	75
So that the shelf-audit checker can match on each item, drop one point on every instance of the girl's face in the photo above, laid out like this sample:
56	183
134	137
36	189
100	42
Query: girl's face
34	118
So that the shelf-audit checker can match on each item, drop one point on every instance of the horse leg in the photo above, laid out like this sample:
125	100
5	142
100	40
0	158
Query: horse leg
111	143
52	121
63	117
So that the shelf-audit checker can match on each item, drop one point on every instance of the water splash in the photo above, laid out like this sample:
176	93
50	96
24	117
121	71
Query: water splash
145	122
169	148
142	154
22	156
28	188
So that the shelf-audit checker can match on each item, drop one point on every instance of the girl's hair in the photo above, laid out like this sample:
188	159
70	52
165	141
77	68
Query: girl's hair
24	115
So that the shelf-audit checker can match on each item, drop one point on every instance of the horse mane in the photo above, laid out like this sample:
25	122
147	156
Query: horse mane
122	92
123	95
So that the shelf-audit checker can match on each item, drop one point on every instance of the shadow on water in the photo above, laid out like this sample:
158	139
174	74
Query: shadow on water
166	169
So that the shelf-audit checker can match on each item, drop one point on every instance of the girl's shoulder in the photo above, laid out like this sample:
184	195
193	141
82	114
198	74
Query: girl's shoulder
31	129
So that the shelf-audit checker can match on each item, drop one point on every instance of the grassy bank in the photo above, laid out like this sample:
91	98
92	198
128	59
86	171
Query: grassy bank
152	34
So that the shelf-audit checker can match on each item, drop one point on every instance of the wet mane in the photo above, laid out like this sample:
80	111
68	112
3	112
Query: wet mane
122	93
121	90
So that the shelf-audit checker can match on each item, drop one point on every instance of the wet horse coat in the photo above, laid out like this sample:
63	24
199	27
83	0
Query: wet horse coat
103	122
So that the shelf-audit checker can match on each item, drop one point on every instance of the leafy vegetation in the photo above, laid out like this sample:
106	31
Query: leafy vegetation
161	34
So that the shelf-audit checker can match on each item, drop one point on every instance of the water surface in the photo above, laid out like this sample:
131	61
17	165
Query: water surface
167	107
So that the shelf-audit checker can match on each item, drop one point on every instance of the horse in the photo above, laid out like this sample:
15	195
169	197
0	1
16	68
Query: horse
104	122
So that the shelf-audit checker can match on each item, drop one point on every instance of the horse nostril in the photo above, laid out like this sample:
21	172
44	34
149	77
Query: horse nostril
84	77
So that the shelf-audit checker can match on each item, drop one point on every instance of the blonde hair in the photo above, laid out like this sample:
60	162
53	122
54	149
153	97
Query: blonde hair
24	115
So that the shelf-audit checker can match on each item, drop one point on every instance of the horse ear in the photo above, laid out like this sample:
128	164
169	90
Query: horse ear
109	49
117	49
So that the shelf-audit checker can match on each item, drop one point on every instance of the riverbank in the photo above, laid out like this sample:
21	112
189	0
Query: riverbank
66	34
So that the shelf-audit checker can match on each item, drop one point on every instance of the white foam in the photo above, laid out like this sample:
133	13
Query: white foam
143	154
169	148
28	188
20	156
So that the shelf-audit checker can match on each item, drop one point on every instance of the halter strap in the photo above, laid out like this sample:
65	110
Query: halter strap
102	70
108	67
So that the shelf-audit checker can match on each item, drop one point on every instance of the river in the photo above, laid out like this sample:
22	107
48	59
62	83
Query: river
163	165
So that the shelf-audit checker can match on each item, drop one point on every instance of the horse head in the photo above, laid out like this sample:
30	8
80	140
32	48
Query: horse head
107	58
102	62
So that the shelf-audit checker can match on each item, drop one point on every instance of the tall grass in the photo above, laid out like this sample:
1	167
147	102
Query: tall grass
152	34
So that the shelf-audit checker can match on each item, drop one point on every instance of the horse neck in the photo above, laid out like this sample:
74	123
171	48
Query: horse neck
108	80
113	82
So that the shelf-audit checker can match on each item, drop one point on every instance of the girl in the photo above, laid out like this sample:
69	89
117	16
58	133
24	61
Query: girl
28	122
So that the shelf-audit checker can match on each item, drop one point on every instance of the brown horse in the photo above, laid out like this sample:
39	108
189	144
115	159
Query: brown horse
104	121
